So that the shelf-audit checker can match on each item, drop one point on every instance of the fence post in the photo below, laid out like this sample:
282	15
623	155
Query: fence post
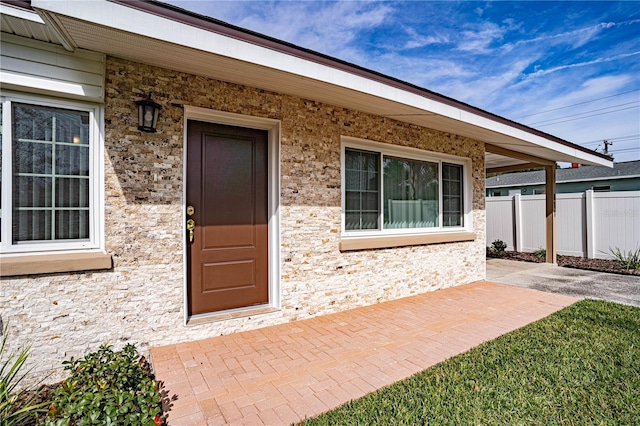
589	224
550	213
517	221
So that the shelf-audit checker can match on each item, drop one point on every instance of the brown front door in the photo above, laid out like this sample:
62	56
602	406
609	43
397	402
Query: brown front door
227	188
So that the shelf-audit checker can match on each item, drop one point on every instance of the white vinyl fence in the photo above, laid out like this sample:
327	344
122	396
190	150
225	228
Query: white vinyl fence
589	224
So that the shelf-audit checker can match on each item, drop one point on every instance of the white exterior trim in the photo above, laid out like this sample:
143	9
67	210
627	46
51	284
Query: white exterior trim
273	129
96	178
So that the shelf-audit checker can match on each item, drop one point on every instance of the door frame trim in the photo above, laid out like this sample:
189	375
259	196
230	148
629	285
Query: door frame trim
272	127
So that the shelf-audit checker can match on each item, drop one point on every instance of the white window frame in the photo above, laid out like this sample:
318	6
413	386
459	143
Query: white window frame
410	154
96	177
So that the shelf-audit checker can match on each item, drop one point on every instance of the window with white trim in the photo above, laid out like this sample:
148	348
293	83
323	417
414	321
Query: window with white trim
48	153
390	190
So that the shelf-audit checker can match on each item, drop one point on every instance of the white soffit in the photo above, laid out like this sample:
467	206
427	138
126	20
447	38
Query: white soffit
493	161
24	23
133	34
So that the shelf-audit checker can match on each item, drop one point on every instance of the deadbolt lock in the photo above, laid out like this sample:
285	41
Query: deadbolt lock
190	210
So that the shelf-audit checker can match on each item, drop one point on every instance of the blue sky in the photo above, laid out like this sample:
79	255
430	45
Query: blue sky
571	69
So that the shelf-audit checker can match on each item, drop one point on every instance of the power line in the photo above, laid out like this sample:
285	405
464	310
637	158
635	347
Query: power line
622	139
615	151
587	116
579	103
584	112
627	138
618	139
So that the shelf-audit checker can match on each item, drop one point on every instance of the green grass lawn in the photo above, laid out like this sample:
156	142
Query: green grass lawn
578	366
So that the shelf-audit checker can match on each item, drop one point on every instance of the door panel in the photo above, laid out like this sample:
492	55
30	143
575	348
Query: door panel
229	237
228	275
227	186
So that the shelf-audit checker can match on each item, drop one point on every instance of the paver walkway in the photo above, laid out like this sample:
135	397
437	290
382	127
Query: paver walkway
282	374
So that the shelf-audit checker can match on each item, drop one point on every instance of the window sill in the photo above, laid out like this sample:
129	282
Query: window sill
53	263
388	241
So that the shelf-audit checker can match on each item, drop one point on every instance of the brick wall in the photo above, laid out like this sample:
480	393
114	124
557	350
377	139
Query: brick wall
142	299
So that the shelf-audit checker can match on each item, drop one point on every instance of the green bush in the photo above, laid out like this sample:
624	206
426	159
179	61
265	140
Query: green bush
628	260
540	253
499	246
17	405
105	388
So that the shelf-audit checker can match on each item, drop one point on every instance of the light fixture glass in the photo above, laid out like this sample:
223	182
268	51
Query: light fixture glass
148	111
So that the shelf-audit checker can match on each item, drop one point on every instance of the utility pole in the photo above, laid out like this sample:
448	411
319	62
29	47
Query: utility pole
606	147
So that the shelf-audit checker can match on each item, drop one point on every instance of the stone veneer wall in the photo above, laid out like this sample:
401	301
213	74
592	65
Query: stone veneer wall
141	299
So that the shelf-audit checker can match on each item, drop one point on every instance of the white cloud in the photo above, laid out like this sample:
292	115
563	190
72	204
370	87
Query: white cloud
539	73
575	38
489	89
418	40
599	108
478	41
325	27
594	88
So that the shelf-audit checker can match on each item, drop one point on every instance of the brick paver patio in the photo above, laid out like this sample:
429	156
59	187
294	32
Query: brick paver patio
282	374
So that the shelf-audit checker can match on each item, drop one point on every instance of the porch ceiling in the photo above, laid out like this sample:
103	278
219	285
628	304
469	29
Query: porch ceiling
184	43
496	161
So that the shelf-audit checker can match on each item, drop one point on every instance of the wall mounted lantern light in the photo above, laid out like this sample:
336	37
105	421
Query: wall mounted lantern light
148	114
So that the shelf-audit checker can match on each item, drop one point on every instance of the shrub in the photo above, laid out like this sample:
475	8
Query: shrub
628	260
499	246
107	387
540	253
17	405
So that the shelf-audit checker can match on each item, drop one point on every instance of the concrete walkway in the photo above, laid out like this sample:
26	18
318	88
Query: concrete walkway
617	288
282	374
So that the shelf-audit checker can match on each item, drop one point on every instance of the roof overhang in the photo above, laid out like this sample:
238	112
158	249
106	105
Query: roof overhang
169	37
559	181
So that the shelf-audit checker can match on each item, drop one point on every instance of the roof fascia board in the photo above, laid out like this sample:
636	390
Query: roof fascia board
20	12
131	19
539	141
563	181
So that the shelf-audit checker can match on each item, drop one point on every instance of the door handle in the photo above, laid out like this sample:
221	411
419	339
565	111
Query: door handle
191	225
